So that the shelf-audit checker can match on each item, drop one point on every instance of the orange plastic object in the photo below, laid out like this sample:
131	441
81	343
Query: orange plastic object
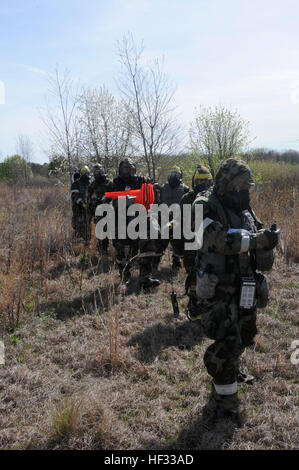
144	195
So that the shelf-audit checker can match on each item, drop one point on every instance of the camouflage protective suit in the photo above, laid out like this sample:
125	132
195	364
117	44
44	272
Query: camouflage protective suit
201	184
80	214
228	255
126	248
172	194
96	193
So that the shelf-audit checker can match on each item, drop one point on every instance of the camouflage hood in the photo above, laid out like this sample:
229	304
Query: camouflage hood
231	173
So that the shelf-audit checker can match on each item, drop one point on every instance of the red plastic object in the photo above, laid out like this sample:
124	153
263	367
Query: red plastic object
144	195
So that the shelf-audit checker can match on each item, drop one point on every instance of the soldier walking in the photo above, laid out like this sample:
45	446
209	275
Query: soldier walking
229	287
172	193
80	215
126	248
96	193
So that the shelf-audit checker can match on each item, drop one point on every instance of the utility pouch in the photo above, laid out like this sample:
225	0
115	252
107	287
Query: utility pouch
205	285
262	290
247	293
264	259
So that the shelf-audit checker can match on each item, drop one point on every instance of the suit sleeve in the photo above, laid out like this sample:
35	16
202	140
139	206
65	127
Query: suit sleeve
218	240
75	193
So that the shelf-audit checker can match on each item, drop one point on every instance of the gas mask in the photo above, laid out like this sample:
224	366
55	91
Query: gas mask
201	187
128	174
174	179
100	176
84	178
237	200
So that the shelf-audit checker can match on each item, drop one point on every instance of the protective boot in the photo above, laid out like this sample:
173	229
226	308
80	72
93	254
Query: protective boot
226	406
242	378
148	282
145	273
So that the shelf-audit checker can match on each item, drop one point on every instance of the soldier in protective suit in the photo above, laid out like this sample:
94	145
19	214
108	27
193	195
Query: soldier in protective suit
172	193
202	181
96	193
80	216
126	249
229	287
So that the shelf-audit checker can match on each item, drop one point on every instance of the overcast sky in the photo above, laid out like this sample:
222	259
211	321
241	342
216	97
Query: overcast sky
243	54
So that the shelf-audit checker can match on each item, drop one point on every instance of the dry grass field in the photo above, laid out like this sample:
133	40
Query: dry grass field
93	365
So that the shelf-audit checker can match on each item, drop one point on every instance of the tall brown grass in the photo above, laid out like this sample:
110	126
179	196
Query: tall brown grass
277	201
34	231
130	376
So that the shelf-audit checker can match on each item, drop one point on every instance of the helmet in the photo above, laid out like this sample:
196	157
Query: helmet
231	173
201	174
175	177
176	169
126	167
84	170
98	169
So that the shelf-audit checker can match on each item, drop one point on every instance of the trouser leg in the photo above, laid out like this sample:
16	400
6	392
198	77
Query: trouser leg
83	226
103	245
236	329
160	247
189	260
124	252
221	323
147	263
178	251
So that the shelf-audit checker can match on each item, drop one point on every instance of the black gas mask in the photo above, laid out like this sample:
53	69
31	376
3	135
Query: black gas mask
84	178
128	174
174	179
201	187
100	176
237	200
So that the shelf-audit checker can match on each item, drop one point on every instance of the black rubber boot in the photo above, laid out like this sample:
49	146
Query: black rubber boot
243	378
148	282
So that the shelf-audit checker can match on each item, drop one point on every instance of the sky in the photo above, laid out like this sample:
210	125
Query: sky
242	54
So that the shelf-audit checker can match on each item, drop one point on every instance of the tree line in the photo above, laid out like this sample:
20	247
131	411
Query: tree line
88	126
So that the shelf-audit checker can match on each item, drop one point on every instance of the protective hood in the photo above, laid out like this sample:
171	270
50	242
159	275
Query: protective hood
231	173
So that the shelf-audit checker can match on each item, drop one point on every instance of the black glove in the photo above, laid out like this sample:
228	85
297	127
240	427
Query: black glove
272	238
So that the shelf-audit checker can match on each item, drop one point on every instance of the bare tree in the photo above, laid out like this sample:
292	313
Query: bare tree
106	127
148	96
217	134
61	118
24	148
